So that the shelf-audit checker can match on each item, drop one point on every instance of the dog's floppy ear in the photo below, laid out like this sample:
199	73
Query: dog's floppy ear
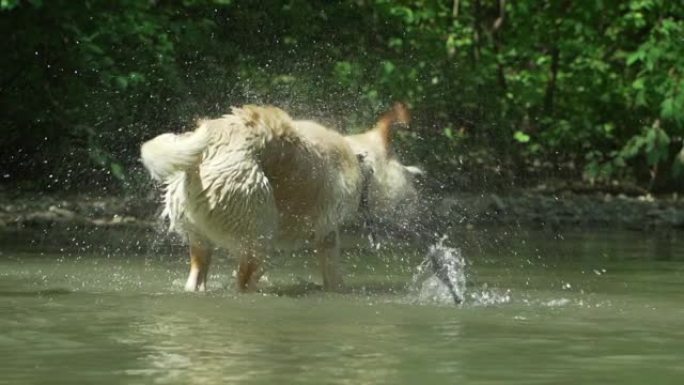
398	114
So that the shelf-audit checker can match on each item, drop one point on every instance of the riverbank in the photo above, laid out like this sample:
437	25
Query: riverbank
526	208
563	210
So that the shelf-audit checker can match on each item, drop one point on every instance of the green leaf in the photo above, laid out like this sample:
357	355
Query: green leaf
635	57
8	4
638	84
395	42
388	67
117	171
521	137
121	82
449	132
404	12
667	109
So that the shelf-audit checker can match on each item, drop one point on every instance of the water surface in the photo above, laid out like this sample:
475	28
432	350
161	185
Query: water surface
594	307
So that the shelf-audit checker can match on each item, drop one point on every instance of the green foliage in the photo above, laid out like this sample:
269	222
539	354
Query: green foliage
597	85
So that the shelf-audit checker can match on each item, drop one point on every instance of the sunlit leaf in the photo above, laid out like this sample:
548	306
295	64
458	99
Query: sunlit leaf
521	137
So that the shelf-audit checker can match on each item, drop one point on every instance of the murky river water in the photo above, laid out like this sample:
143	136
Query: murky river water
594	307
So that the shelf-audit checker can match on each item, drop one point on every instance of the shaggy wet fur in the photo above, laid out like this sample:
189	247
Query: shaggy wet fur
256	179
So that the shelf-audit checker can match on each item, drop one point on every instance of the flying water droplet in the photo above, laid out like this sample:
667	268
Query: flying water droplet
441	277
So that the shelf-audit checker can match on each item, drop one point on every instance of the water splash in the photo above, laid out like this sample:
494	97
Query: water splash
490	297
441	277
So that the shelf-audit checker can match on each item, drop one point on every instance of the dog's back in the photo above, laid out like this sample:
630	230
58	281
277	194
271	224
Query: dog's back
260	175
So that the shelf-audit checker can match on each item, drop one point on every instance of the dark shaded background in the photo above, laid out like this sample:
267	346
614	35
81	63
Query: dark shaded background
505	93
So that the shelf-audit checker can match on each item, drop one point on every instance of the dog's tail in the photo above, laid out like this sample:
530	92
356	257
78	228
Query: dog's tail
169	153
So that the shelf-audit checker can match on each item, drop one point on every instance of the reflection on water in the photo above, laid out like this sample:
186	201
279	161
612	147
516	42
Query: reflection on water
586	308
201	352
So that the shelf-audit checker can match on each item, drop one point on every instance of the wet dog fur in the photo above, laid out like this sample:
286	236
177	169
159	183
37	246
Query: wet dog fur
256	180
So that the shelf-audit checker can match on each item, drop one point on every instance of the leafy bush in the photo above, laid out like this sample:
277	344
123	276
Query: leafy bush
502	91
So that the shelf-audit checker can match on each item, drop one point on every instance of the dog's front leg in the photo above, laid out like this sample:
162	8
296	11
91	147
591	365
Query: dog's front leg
328	251
200	258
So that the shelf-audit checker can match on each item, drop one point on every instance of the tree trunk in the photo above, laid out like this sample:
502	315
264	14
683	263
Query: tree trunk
477	32
551	85
496	38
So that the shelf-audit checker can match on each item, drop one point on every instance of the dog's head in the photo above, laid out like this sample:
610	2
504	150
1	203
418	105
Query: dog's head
390	186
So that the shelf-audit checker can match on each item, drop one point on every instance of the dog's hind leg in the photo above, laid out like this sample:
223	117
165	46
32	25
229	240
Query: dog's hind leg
249	271
200	258
328	251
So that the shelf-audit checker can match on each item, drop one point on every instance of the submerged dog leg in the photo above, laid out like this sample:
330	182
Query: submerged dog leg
328	251
249	272
200	258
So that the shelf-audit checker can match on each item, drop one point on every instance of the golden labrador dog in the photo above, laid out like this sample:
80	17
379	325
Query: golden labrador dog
256	180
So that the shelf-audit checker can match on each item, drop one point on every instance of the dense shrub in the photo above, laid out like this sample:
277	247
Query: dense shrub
503	91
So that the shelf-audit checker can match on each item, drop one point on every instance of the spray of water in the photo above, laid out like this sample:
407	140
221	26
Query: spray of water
441	277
